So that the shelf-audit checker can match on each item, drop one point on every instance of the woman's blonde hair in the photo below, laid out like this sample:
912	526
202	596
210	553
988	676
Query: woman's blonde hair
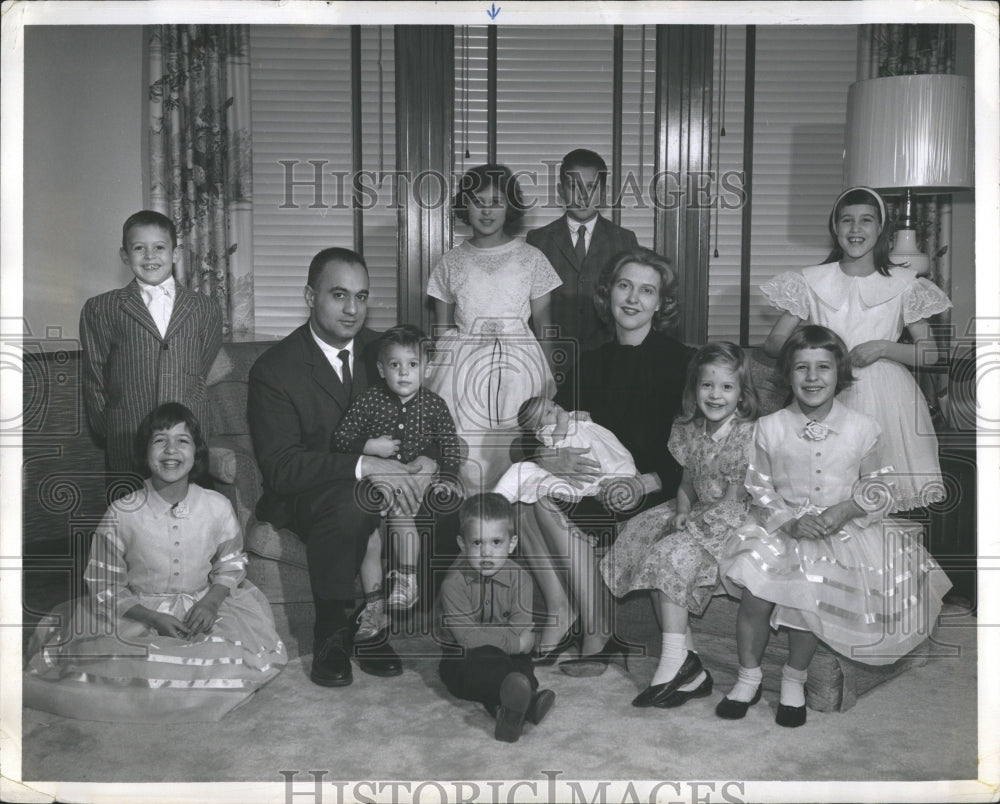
667	311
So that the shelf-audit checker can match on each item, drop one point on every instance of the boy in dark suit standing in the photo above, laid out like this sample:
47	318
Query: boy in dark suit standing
579	245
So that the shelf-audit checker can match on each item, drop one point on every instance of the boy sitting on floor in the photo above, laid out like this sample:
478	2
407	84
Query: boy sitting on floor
485	607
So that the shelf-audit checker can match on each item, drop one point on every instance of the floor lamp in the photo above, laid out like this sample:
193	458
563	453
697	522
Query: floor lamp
909	135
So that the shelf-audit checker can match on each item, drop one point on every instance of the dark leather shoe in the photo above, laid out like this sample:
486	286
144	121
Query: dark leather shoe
790	716
377	658
331	665
655	694
683	696
734	710
549	657
594	664
515	698
541	703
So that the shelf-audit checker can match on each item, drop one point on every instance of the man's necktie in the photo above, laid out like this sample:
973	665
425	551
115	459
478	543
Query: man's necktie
345	372
581	244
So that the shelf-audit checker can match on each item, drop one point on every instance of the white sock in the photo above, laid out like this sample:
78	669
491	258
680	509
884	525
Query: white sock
672	656
748	680
793	686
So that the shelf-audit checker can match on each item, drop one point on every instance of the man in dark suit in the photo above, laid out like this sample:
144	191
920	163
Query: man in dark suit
579	245
299	390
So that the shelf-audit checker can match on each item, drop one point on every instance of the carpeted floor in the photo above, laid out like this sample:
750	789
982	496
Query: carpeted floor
919	726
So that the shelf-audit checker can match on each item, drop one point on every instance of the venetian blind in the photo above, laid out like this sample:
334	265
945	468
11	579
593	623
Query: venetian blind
300	94
638	119
554	94
801	79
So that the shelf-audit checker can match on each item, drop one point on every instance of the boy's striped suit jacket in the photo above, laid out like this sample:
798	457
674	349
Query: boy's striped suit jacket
128	369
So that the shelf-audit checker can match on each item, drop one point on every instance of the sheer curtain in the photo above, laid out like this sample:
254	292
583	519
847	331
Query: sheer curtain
200	160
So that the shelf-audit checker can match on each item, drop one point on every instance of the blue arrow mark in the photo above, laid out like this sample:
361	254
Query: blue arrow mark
494	10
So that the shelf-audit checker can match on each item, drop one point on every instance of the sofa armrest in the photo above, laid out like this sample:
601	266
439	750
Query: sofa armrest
236	476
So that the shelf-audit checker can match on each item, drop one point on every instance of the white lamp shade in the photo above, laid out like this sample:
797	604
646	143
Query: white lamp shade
910	131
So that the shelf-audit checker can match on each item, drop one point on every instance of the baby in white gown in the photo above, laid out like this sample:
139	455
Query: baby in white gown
554	427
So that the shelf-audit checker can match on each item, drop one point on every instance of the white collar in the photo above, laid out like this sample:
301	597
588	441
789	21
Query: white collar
835	420
168	286
332	352
574	226
723	430
832	285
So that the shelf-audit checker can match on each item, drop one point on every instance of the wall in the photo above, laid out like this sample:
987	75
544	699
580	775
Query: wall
83	118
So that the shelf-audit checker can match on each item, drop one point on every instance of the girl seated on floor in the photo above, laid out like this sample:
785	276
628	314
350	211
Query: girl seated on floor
171	631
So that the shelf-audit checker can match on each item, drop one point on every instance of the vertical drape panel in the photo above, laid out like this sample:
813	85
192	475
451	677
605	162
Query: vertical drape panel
425	85
200	159
684	62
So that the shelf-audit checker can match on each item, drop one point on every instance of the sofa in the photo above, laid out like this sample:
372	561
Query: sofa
277	557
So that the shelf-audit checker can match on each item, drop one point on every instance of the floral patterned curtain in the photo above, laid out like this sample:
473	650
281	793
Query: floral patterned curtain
200	160
916	50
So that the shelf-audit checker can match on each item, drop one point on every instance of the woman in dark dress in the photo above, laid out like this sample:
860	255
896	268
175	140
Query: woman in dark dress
631	385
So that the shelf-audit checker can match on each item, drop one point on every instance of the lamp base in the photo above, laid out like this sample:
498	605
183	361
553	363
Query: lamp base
905	252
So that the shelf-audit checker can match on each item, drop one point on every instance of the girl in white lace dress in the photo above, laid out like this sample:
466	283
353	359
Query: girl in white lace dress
868	302
486	291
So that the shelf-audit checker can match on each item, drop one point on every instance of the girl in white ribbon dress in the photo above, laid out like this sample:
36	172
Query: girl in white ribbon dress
171	631
819	557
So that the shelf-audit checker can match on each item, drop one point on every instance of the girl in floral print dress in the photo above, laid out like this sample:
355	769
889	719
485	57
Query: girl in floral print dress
171	630
674	549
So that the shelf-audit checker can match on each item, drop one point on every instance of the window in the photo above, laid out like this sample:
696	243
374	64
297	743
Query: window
554	94
300	95
800	101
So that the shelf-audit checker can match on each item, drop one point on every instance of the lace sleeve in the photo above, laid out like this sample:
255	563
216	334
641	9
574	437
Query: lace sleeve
438	286
544	278
923	299
788	292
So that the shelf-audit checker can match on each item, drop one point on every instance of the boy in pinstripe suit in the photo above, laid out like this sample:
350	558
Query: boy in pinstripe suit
150	342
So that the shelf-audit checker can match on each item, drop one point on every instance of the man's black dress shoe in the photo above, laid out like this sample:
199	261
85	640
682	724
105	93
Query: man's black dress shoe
683	696
790	716
377	658
734	710
331	665
657	693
